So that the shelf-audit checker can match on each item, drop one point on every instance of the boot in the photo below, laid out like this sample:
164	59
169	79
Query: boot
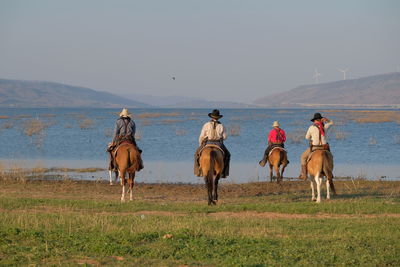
303	174
263	161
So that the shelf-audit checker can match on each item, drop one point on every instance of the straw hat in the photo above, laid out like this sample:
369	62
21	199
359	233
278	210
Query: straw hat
275	124
125	113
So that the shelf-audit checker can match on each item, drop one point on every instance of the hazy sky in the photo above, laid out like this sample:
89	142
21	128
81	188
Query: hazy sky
223	50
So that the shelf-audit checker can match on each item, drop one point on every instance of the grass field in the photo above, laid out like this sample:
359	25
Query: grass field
255	224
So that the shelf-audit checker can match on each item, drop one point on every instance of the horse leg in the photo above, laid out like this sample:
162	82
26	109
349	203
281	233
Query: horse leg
312	191
271	174
216	180
123	182
328	195
209	188
278	175
110	175
116	177
318	180
131	184
283	169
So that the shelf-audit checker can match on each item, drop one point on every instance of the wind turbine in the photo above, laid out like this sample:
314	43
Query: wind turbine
316	75
344	72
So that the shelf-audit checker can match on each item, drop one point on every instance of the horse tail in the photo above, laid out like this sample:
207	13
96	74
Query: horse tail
132	160
210	174
328	171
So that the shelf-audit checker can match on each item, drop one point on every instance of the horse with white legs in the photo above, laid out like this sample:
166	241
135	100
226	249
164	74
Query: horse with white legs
127	158
320	165
110	173
212	165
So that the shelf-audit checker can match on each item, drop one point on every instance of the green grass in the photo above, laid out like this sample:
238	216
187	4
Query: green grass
94	228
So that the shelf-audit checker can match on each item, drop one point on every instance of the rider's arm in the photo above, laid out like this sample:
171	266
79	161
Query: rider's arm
203	133
224	135
116	132
308	134
283	135
328	124
270	137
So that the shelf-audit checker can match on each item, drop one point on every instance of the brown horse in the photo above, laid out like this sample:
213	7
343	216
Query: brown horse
212	164
277	159
127	160
320	165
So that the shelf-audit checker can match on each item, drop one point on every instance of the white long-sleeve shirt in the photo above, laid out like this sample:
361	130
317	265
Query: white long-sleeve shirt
207	131
313	134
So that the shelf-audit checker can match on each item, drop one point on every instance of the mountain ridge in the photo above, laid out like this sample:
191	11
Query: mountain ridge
377	90
24	93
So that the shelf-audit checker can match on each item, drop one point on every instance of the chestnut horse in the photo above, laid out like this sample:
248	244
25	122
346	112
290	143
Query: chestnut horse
277	159
212	164
127	160
320	165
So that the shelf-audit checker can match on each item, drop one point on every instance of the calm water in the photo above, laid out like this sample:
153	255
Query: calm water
78	138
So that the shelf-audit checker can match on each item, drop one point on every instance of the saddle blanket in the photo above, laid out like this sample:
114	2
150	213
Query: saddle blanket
214	146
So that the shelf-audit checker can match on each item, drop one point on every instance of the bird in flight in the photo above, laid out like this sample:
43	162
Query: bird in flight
173	78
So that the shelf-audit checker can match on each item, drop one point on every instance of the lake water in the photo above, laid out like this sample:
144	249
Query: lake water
77	138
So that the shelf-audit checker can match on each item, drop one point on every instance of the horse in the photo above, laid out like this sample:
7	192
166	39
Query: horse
127	161
277	159
320	165
212	165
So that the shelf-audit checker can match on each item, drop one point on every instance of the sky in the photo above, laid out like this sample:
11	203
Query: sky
218	50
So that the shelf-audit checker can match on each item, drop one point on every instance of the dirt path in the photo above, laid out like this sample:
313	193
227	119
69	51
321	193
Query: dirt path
218	215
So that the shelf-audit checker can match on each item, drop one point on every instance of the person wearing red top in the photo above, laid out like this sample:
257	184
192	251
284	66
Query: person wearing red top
276	138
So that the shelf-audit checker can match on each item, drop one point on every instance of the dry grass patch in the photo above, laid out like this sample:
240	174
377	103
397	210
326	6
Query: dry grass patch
34	127
234	130
367	116
85	123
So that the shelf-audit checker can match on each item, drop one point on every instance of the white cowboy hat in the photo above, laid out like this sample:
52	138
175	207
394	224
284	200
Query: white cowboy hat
125	113
275	124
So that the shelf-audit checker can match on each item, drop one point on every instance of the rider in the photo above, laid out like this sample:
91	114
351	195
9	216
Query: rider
317	135
125	130
276	138
213	132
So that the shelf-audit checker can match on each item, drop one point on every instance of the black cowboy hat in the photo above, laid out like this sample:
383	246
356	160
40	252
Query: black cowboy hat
215	114
317	116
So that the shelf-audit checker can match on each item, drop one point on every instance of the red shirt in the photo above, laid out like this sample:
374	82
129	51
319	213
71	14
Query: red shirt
276	136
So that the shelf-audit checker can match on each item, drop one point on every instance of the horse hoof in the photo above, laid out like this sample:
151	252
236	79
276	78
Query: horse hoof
111	184
313	199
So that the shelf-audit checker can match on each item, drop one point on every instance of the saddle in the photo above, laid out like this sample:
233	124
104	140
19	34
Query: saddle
277	147
213	146
125	142
315	148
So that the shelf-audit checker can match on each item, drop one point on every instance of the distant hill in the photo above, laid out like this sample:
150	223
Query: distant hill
373	91
18	93
185	102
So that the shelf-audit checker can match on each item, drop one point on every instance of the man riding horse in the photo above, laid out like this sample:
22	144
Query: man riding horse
318	140
125	130
276	138
212	133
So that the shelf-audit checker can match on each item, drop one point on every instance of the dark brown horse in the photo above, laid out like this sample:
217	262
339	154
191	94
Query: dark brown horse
277	161
212	164
320	165
127	159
